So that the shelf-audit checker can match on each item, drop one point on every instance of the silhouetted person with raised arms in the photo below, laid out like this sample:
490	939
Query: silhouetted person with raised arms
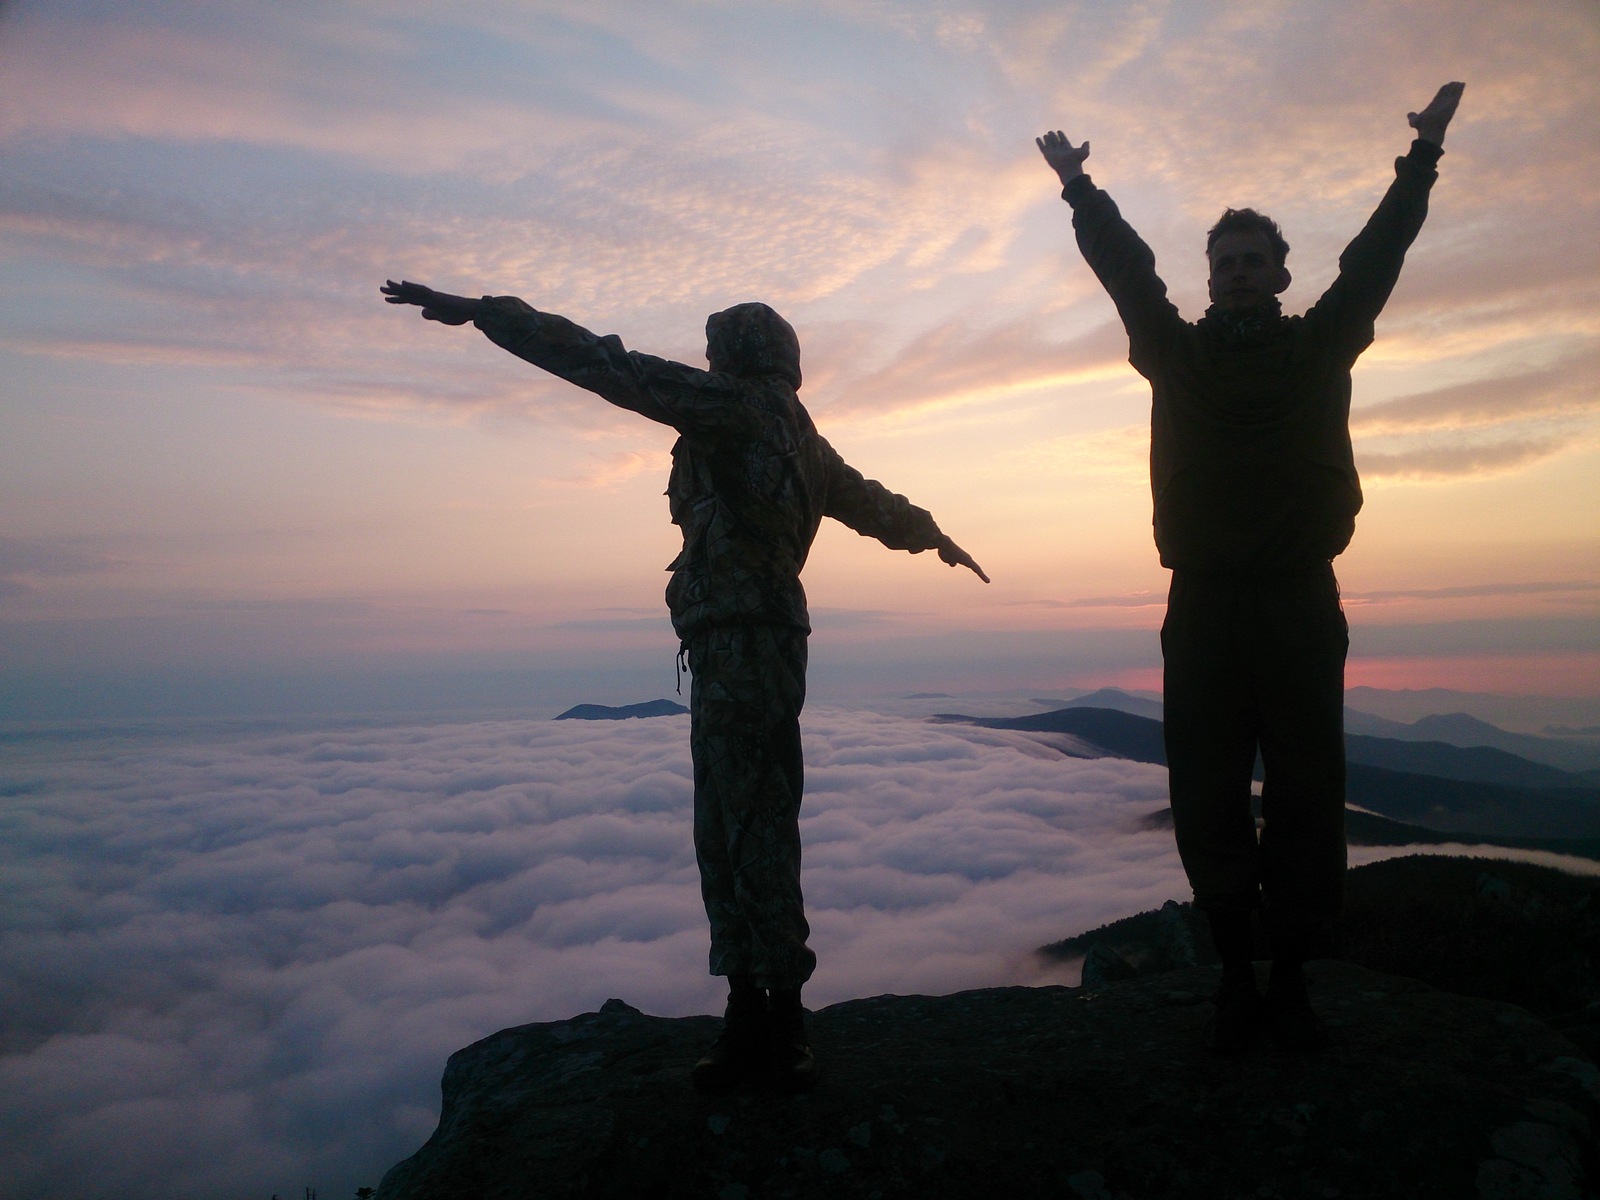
751	481
1255	493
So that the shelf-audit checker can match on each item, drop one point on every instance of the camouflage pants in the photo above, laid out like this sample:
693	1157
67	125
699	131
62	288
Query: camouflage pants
744	734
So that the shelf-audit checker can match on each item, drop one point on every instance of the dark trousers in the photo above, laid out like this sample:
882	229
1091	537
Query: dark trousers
1257	662
744	737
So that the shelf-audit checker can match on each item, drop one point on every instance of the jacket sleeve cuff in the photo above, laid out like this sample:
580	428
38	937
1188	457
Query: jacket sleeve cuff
1425	154
1079	190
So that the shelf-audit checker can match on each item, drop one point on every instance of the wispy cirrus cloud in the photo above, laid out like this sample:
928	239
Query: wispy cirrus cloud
1578	587
958	362
23	560
1125	600
1443	457
1566	389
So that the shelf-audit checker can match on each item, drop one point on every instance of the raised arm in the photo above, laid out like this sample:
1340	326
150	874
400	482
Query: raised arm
1116	254
1370	266
872	510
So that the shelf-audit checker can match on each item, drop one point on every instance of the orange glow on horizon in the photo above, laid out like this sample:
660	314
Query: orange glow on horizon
1514	674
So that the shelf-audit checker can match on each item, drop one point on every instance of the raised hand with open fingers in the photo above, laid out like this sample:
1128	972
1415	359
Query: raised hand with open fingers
1432	121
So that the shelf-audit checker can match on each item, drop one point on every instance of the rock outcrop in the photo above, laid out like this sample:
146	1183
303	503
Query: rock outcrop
1516	932
1099	1093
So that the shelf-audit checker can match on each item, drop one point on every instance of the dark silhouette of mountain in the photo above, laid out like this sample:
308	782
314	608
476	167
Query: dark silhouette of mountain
1116	698
1068	1093
1463	803
1471	807
1476	764
603	712
1369	829
1356	721
1464	730
1118	734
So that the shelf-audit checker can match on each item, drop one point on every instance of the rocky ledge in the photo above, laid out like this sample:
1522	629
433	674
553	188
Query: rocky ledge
1097	1093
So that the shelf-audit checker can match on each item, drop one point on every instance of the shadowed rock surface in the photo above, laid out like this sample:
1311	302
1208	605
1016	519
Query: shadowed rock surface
1515	932
1076	1093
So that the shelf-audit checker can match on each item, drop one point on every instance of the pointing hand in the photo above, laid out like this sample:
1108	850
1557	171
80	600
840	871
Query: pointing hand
957	557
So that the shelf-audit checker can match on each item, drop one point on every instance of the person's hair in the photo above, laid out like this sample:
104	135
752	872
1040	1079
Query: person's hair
1248	220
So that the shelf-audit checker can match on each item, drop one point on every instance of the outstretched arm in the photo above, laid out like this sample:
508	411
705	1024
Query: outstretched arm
687	398
1432	121
872	510
436	306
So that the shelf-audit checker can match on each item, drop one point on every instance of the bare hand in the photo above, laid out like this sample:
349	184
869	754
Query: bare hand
1064	158
1431	122
957	557
436	306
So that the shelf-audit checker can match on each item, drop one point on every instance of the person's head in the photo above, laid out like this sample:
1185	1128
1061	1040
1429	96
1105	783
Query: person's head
1247	252
751	340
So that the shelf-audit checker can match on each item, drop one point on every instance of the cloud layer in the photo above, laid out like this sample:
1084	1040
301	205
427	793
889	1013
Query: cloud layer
236	961
235	957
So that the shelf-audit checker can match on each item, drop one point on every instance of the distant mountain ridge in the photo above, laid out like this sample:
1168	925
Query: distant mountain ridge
1572	754
1450	760
605	712
1447	789
1574	751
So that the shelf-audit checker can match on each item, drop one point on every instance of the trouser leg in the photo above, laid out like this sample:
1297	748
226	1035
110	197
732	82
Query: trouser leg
1300	680
1210	731
745	699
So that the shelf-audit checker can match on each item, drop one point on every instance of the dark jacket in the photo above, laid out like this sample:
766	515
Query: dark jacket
1250	460
751	476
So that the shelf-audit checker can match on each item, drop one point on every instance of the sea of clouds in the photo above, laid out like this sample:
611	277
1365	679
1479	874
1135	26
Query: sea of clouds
234	958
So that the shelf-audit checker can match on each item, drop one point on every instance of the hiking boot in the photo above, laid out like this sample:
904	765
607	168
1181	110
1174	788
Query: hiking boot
738	1056
792	1066
1237	1019
1295	1024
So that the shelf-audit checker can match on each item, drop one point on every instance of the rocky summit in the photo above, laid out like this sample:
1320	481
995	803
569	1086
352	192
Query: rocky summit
1098	1093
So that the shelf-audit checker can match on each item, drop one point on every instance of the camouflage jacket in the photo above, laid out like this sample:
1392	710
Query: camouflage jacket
751	476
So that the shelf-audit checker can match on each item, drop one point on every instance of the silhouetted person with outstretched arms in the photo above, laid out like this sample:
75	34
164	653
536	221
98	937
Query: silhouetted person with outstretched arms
751	481
1255	493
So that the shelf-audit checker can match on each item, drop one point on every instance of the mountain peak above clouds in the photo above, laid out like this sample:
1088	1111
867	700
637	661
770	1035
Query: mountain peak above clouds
605	712
1121	701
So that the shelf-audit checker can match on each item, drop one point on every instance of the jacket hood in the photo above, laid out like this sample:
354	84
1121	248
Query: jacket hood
750	340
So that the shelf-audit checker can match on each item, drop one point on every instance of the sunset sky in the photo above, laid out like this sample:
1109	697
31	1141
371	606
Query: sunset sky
234	954
222	458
